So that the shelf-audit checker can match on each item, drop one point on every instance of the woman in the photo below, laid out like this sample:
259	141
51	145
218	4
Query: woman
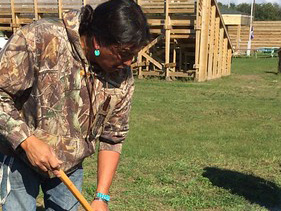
64	85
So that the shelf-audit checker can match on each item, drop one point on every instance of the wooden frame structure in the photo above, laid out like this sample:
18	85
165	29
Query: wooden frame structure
190	40
189	37
16	13
266	34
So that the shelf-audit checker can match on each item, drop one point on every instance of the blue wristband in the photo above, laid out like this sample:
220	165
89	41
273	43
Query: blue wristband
103	196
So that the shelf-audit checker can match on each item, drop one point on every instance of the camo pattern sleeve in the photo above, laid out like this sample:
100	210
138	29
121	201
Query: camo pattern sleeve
117	127
16	77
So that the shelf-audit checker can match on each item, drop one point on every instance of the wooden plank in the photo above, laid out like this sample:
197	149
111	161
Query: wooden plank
216	47
204	41
60	9
211	42
152	43
221	39
182	74
224	57
152	73
6	28
36	10
167	37
157	64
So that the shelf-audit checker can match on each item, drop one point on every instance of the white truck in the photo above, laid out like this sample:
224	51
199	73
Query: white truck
3	41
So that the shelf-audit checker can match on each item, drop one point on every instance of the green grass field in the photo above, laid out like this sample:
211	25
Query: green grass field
202	146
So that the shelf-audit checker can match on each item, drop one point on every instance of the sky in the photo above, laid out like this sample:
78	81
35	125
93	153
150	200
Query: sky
249	1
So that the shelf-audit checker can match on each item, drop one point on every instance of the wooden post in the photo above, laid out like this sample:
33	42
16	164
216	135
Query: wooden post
279	64
174	55
140	76
167	38
221	31
229	61
197	26
180	60
204	40
211	42
60	9
216	48
224	56
36	10
14	21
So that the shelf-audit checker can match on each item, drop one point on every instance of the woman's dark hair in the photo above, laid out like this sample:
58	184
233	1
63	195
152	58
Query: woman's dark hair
115	22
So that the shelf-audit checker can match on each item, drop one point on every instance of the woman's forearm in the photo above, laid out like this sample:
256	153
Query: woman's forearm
107	165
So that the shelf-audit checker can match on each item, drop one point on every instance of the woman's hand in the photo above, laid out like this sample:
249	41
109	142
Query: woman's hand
99	206
41	155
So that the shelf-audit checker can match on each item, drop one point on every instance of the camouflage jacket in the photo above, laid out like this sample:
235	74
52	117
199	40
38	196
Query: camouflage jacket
43	92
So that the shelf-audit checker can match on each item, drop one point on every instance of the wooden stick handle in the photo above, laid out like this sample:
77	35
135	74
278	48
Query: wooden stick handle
64	178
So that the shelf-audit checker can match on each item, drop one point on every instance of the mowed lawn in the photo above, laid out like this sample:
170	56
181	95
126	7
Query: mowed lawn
202	146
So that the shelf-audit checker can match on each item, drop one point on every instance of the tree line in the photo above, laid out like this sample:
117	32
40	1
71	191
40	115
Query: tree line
261	12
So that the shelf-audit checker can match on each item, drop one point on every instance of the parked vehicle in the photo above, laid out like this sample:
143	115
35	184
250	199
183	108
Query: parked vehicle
3	41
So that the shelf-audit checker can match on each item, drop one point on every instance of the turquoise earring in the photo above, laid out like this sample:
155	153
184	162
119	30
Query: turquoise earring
97	52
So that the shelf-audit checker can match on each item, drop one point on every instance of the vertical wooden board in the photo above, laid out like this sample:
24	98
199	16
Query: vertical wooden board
211	42
203	57
140	76
167	37
220	52
13	13
36	10
60	9
180	59
229	61
174	56
216	47
197	27
167	49
224	56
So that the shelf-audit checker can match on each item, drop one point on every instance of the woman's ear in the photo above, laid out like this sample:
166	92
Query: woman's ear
96	44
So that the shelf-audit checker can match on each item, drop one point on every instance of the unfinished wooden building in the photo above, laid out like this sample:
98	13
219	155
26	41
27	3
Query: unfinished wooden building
189	38
266	34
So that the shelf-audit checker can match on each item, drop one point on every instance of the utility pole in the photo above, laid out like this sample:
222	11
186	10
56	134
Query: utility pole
250	30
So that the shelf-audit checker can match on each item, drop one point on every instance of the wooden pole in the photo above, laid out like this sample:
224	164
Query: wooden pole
211	42
36	10
221	32
60	9
197	26
216	47
167	37
14	18
140	76
64	178
279	64
204	40
224	56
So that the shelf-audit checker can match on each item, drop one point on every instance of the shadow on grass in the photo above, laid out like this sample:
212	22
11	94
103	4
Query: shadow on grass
254	189
272	72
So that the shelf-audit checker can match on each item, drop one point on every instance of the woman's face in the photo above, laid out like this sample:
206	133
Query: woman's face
113	58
